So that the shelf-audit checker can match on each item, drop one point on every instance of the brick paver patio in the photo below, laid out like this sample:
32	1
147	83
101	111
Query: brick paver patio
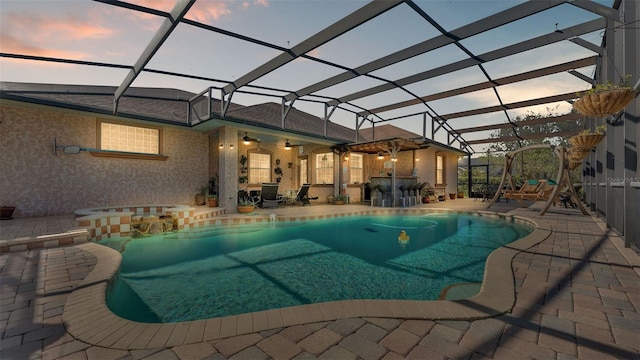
577	296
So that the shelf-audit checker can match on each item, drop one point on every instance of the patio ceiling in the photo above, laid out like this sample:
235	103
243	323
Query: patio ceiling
417	65
387	145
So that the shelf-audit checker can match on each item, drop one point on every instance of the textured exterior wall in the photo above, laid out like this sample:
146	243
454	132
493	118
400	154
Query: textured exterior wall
40	183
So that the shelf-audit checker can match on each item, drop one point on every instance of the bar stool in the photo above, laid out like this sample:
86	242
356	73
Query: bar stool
416	194
420	187
372	193
402	197
383	191
411	191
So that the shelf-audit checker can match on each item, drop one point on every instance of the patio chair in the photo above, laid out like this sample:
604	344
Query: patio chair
255	196
303	195
270	198
245	197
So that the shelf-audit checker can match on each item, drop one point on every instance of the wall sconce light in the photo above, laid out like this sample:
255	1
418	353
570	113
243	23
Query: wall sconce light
231	146
380	155
287	145
221	146
346	157
417	159
394	159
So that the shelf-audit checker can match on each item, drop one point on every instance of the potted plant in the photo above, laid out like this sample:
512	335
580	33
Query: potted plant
201	194
587	140
6	212
243	162
213	191
278	171
213	200
245	206
605	99
452	196
460	194
427	192
340	199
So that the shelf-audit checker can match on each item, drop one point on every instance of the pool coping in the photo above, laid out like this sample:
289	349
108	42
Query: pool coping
87	317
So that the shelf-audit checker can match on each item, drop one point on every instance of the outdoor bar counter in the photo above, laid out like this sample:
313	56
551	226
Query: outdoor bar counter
399	181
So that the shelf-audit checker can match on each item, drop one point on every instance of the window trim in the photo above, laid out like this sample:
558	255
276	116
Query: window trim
444	167
259	151
300	159
315	166
99	152
361	168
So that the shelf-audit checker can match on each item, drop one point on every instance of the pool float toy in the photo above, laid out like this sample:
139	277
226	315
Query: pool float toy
403	239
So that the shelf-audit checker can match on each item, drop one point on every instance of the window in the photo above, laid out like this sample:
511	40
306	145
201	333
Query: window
440	169
128	138
324	168
304	171
355	167
259	168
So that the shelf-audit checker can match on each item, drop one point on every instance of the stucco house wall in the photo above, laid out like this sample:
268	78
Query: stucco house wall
39	183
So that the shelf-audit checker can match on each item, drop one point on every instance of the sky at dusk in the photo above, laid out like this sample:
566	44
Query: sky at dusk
92	31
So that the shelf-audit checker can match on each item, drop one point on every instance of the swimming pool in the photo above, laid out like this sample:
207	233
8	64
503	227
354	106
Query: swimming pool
224	270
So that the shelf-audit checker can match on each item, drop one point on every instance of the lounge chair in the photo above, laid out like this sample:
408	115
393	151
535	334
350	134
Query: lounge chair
269	195
303	195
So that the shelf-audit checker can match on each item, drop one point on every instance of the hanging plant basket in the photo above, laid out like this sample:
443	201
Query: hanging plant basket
604	103
586	141
574	164
577	154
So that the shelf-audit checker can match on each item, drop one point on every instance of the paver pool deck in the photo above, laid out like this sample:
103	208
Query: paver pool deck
573	292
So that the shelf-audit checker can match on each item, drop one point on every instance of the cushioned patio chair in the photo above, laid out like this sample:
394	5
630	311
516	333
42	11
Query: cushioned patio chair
303	195
269	194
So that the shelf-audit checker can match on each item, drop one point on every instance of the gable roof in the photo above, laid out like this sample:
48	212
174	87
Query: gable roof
387	131
171	106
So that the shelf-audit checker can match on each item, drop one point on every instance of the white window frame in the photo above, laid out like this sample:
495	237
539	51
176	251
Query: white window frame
441	178
103	149
303	172
129	138
328	171
356	174
252	167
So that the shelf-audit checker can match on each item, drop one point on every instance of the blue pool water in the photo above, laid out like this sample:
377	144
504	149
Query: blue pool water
226	270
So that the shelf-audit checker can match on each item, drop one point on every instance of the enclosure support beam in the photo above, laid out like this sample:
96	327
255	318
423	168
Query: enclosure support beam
166	28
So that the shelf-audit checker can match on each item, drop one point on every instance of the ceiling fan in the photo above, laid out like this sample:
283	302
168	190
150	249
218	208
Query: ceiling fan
248	139
287	145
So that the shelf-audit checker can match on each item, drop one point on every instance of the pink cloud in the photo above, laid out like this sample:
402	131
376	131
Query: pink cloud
41	28
11	45
248	4
208	10
162	5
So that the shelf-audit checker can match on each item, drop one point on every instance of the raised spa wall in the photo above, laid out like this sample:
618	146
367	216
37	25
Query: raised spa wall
110	222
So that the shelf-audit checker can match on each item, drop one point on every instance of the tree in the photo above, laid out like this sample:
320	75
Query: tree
537	163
